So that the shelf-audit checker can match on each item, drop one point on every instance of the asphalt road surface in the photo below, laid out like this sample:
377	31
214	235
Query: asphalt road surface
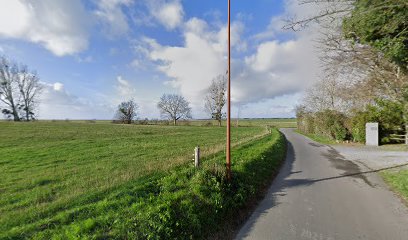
320	195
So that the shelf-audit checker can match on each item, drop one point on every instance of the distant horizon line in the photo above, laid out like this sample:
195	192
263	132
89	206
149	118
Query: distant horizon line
194	119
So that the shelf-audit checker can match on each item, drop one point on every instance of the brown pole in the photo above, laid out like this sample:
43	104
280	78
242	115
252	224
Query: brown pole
228	153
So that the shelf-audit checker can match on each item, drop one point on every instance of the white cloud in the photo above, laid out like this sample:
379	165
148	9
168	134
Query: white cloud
87	59
58	25
278	107
59	87
274	69
191	67
113	18
168	13
277	68
273	55
124	89
57	103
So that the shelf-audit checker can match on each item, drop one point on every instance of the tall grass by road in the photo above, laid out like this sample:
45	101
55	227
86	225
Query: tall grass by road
80	179
398	180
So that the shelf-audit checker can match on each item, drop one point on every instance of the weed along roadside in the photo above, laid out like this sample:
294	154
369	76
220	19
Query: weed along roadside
195	203
178	201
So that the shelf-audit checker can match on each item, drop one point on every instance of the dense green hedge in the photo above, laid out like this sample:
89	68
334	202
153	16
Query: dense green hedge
327	123
186	203
339	126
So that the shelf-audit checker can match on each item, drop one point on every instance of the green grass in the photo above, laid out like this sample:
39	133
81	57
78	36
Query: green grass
398	180
277	122
318	138
244	122
328	141
71	179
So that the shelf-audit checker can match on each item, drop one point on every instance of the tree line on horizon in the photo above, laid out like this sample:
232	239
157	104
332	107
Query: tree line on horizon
175	107
20	89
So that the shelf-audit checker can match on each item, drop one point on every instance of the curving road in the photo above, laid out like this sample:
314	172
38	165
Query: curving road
320	195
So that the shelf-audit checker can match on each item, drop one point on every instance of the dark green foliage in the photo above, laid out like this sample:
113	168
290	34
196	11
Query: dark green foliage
336	126
191	204
331	124
126	112
358	125
382	24
327	123
389	115
404	103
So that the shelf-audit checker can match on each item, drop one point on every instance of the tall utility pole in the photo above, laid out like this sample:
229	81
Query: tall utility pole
228	152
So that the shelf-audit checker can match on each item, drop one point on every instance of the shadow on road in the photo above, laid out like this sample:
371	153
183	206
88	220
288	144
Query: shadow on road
283	181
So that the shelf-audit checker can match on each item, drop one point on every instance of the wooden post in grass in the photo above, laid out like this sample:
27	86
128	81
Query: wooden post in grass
197	157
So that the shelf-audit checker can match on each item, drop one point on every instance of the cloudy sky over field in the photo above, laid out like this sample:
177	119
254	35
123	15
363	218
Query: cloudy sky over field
91	55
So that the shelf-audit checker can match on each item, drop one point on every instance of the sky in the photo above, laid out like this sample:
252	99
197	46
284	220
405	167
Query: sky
93	54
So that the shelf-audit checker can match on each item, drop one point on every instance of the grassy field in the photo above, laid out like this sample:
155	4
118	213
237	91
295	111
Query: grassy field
245	122
51	172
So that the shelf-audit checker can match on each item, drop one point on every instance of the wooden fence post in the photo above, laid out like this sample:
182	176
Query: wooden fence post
197	157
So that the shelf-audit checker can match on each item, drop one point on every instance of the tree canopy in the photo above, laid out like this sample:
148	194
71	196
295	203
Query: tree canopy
174	107
382	24
19	90
126	112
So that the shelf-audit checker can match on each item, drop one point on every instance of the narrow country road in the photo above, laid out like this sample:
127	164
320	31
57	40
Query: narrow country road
321	195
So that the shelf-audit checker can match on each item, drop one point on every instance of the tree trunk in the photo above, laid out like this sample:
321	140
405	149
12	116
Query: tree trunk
27	113
219	122
15	113
175	122
16	118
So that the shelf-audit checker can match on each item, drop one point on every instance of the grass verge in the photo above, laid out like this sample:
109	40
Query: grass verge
183	203
318	138
398	180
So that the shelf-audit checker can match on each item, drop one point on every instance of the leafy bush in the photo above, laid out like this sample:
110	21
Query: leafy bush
389	114
327	123
143	121
336	126
309	124
380	27
358	125
191	203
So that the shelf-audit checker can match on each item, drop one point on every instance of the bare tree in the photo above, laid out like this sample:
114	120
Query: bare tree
215	98
327	11
323	95
126	112
30	88
174	107
8	88
354	74
19	90
366	73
